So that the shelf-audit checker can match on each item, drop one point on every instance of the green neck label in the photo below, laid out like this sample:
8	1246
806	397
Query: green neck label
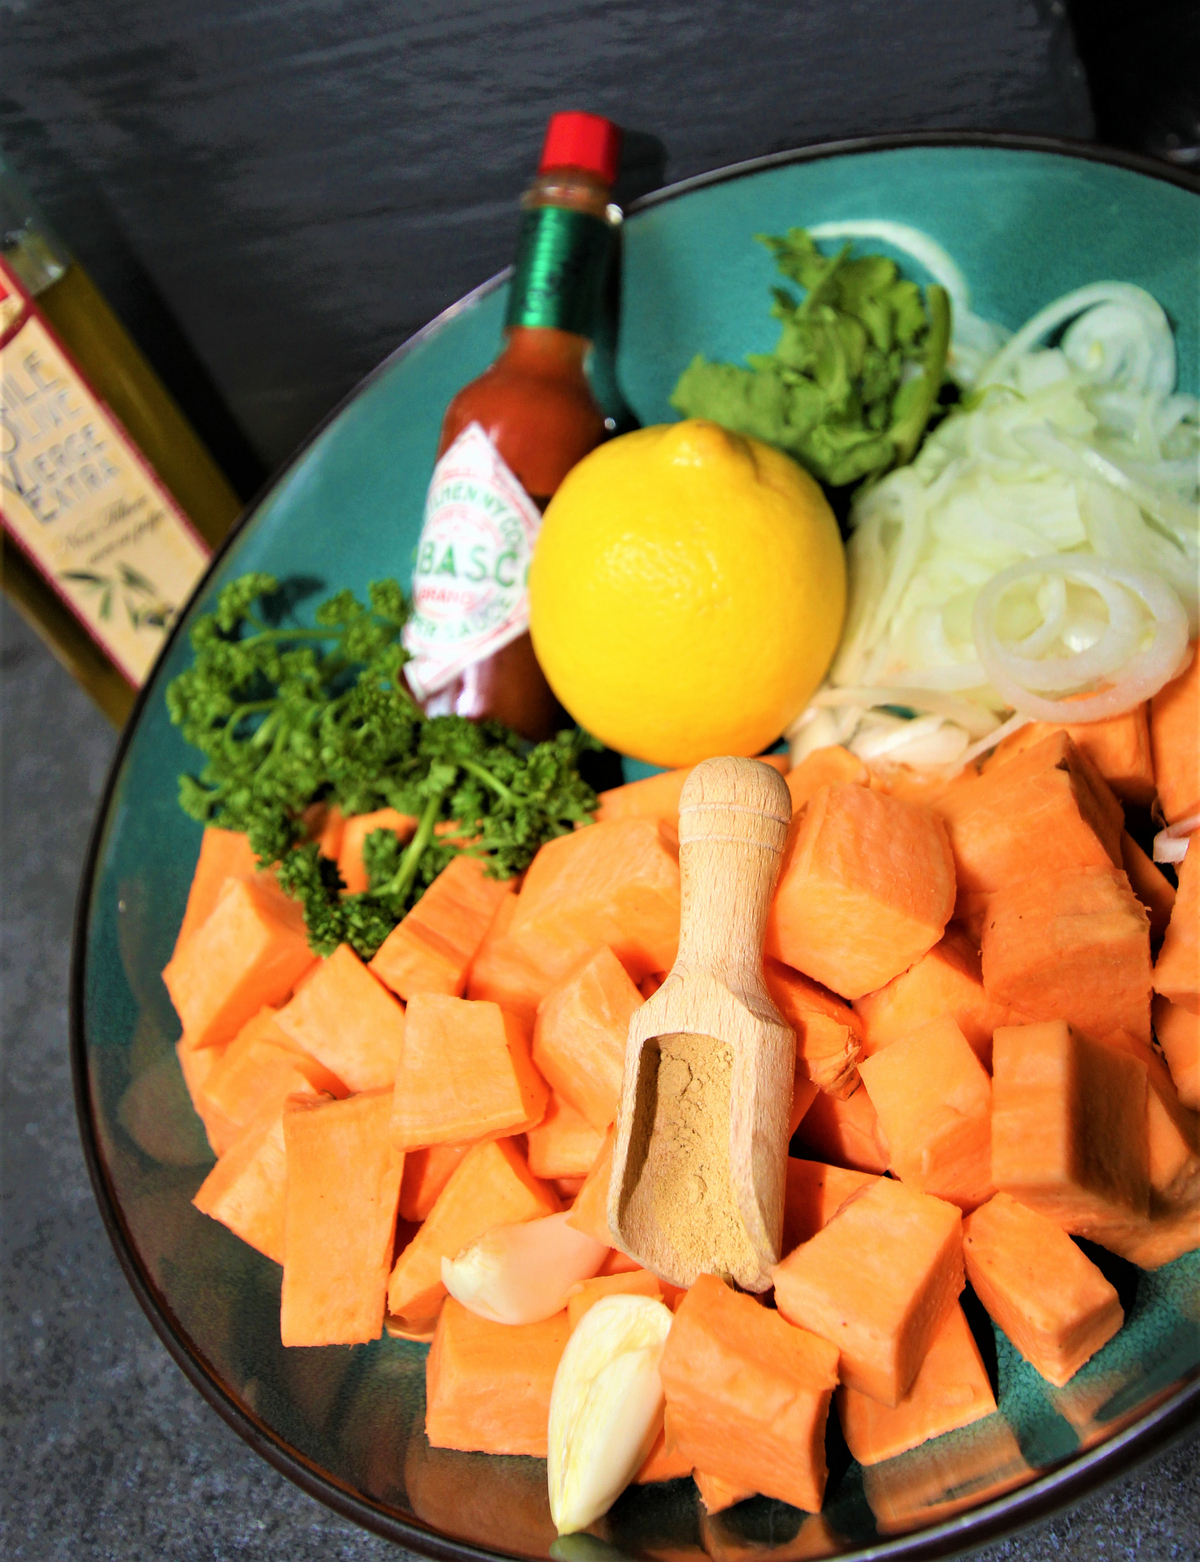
559	270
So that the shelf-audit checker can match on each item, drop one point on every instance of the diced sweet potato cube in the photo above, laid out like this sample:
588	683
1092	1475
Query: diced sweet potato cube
1177	969
948	980
589	1213
1048	1297
502	972
748	1394
1071	946
1068	1125
1050	795
259	1065
1118	748
224	854
951	1389
866	886
563	1144
717	1495
804	1093
343	1187
431	949
329	837
824	767
813	1195
491	1186
1178	1032
465	1074
934	1102
247	1188
250	950
426	1173
197	1069
487	1385
843	1133
615	883
1149	884
579	1035
1175	741
636	1282
663	1463
877	1281
353	837
348	1021
828	1032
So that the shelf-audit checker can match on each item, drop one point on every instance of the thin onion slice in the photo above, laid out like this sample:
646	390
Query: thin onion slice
1142	675
1171	844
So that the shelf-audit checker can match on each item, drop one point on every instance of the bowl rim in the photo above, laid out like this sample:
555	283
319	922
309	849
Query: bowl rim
1059	1485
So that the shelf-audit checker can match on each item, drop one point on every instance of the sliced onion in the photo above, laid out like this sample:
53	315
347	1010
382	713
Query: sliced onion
1142	675
1171	844
977	720
1134	300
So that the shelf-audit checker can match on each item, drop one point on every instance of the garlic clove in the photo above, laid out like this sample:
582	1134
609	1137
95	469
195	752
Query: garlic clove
606	1407
522	1273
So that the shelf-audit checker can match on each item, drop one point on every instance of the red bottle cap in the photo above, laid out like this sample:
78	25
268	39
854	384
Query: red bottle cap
582	141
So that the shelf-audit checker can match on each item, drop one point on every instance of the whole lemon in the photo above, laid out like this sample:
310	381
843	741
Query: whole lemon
687	592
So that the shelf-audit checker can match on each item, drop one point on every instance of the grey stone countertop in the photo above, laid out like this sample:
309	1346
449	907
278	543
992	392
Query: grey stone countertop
109	1451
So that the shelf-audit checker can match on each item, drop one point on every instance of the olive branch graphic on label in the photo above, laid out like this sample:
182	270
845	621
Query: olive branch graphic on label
146	608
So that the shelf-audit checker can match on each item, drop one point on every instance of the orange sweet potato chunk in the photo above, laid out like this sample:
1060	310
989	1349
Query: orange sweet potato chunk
828	1032
343	1188
934	1102
866	886
717	1495
197	1069
579	1035
951	1389
824	767
1177	969
1074	946
1149	884
615	883
1050	795
1069	1125
224	854
261	1064
1118	748
843	1133
812	1197
491	1186
1175	741
636	1282
1048	1297
250	950
589	1213
877	1281
426	1173
502	972
1178	1032
748	1395
431	949
487	1385
348	1021
663	1463
948	980
247	1188
464	1074
563	1144
353	837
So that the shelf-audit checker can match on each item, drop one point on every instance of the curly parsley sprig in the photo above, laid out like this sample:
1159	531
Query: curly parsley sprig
289	716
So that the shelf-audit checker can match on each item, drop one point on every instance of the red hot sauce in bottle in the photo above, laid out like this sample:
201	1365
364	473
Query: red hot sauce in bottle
508	439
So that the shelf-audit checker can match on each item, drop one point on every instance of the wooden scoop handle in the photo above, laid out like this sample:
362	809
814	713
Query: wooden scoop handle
733	822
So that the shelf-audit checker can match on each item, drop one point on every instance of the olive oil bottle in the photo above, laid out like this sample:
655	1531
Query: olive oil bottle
111	506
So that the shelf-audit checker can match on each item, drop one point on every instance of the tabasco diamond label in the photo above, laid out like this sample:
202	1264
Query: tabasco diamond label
471	582
77	497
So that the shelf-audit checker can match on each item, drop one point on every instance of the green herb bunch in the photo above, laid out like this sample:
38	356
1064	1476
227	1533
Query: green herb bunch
854	378
288	717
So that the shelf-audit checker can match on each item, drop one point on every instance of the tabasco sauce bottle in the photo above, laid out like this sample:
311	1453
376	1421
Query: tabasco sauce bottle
508	439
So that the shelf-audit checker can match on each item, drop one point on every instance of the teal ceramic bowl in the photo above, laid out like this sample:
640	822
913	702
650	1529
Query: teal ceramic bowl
1026	221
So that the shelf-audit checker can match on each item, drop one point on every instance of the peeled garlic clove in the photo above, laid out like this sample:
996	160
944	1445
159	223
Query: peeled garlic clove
522	1273
606	1407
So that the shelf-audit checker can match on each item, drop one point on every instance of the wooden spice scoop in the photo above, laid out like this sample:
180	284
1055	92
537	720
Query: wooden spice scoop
700	1157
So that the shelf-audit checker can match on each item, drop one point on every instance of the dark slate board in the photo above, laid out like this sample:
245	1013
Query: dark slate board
306	183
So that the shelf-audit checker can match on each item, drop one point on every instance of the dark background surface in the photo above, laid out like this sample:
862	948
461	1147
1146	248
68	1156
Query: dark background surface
273	197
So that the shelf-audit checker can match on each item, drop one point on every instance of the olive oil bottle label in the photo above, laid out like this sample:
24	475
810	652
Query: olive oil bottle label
78	498
471	582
